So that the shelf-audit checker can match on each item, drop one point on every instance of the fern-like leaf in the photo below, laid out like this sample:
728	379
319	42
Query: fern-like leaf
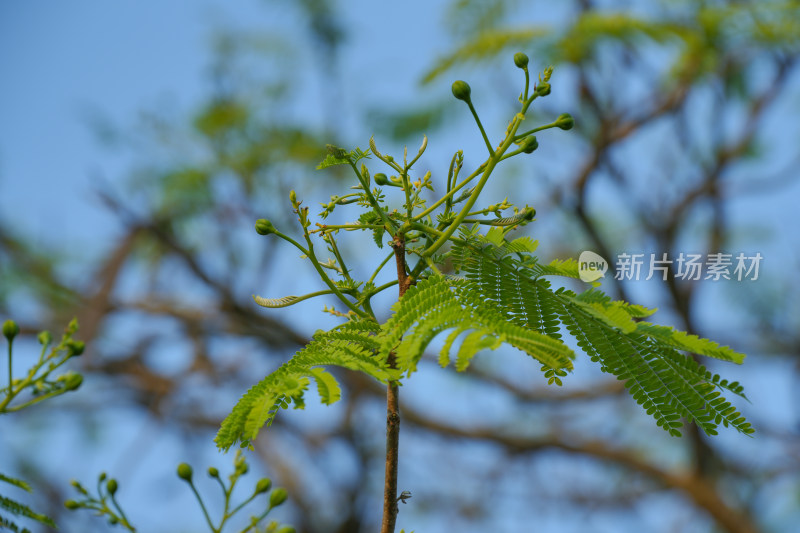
669	385
20	509
439	304
340	156
525	215
16	482
690	343
352	345
558	267
274	303
486	45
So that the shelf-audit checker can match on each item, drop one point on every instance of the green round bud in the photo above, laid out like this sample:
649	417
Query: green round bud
277	497
530	145
565	121
112	486
521	60
185	472
72	381
113	520
75	348
102	477
72	505
213	472
263	485
381	179
543	89
264	227
461	90
529	213
45	338
10	330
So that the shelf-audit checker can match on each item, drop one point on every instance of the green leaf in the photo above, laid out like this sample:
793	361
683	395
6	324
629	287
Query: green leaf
670	386
274	303
339	156
20	509
352	345
438	304
690	343
16	482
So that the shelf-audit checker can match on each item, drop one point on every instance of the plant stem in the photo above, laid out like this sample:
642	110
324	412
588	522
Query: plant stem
10	370
480	127
393	408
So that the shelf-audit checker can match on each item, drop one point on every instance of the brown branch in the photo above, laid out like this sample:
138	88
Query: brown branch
390	508
601	389
701	492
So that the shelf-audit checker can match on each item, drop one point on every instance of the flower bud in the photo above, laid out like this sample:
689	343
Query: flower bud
45	338
213	472
72	381
530	144
185	472
461	90
521	60
543	89
381	179
112	486
277	497
75	348
263	485
77	486
72	505
264	227
565	121
10	330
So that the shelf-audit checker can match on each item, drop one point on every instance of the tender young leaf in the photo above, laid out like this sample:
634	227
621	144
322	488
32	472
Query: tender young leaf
274	303
20	509
669	385
340	156
690	343
352	346
439	304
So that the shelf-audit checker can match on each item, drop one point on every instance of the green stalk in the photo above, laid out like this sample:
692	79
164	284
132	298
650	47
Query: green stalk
327	280
480	126
491	163
339	257
527	84
310	254
347	227
380	267
203	507
534	130
450	194
386	221
10	372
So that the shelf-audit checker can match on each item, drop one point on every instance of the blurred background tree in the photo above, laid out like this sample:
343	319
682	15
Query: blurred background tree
686	140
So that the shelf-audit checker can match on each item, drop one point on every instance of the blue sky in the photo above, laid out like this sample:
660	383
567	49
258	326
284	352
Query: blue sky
62	63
